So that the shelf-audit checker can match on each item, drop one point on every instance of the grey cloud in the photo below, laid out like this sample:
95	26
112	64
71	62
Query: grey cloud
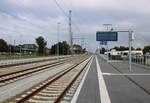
40	18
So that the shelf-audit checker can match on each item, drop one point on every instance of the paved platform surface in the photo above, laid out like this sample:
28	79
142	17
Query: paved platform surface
90	90
122	85
125	86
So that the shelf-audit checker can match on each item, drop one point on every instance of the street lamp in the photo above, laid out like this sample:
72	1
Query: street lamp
58	38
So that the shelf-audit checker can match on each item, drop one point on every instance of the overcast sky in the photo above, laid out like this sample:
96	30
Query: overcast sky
24	20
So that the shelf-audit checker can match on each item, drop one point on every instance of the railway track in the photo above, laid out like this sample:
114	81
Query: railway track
56	89
17	75
12	69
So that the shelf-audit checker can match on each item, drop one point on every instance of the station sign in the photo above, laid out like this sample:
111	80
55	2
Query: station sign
107	36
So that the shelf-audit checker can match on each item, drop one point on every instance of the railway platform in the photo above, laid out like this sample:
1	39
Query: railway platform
90	89
112	82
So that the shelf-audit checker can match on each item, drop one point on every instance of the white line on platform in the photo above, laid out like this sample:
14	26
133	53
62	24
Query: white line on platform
113	61
134	74
75	97
103	90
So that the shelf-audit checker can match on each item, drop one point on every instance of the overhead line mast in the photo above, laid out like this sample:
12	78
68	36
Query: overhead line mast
70	31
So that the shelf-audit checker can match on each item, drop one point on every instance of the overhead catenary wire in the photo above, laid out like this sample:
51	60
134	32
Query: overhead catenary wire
64	13
16	17
39	30
74	13
20	19
62	10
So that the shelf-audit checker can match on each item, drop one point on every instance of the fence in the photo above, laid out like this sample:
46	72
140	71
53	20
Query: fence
143	60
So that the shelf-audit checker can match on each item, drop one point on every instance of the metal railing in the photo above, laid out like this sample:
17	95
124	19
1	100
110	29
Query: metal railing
137	59
142	60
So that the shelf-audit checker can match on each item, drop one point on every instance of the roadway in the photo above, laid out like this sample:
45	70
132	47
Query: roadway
112	82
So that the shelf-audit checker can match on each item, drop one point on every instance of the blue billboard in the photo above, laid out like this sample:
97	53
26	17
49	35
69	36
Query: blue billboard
107	36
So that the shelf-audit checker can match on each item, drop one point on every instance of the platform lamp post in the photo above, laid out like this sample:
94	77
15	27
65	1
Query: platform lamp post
58	27
131	38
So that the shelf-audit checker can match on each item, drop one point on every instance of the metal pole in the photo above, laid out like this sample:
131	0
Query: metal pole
58	38
14	47
70	32
130	45
63	49
20	46
10	49
107	52
107	28
20	50
99	48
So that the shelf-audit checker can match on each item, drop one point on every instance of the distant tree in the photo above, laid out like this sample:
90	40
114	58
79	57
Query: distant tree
102	51
146	49
116	48
64	48
138	49
3	46
132	48
84	50
41	45
122	48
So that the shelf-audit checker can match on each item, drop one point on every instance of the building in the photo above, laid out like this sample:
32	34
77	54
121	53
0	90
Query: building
133	52
48	51
29	49
124	53
77	49
113	52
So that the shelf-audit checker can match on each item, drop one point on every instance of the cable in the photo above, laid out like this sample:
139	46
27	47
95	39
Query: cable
16	17
20	19
63	11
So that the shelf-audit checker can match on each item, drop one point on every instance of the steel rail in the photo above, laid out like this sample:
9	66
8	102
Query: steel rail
28	71
58	75
58	100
